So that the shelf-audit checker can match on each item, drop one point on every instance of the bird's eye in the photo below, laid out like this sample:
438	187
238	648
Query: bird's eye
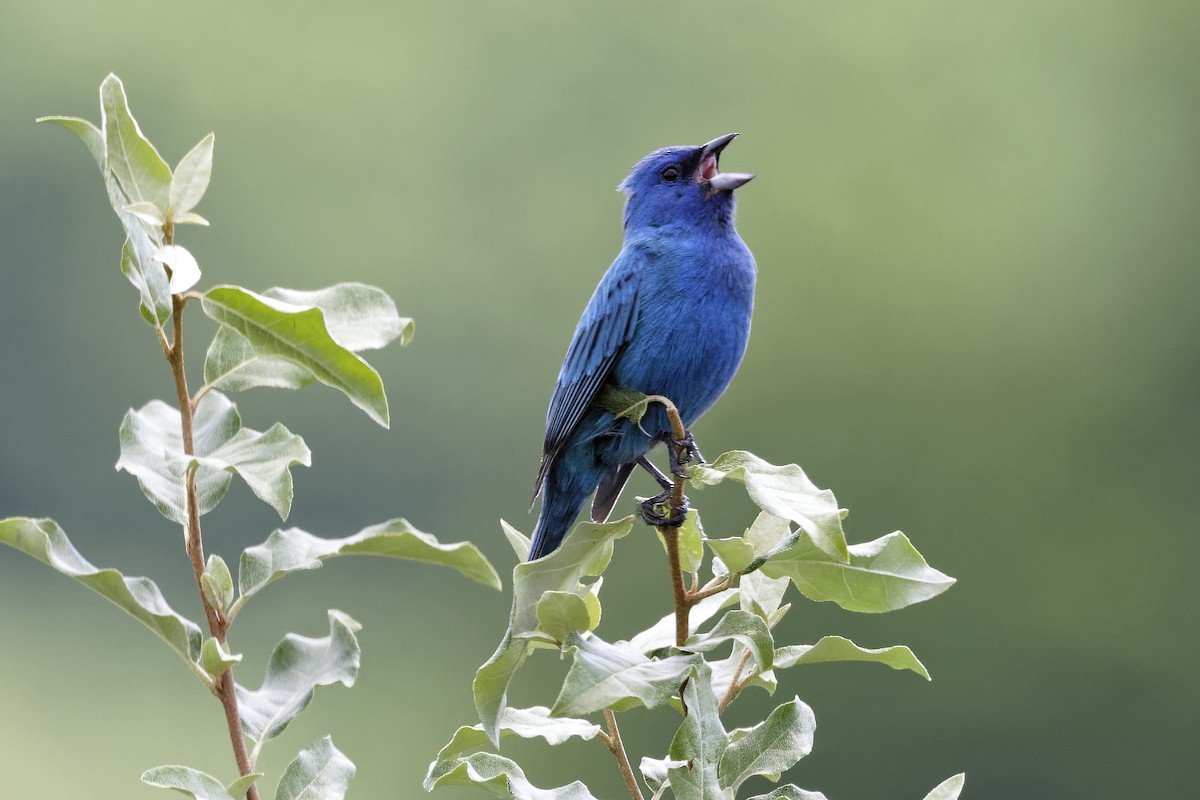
670	174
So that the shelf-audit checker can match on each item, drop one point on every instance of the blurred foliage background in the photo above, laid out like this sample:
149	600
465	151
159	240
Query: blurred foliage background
976	229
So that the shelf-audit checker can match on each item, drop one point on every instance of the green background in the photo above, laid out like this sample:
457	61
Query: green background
976	230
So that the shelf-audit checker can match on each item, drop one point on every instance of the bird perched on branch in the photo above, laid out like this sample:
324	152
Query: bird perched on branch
671	317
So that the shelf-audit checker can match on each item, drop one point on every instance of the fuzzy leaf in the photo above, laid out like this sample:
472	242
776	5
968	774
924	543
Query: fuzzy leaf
320	772
700	742
233	365
747	629
358	317
191	177
518	541
784	492
691	542
185	272
139	169
152	451
498	776
298	665
147	213
527	723
836	648
139	597
147	276
790	792
215	659
772	746
655	770
85	130
242	785
585	552
292	550
561	614
948	789
883	575
618	677
280	330
191	782
661	634
217	583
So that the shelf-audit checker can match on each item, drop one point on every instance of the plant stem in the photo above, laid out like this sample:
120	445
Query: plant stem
735	685
618	750
682	606
194	543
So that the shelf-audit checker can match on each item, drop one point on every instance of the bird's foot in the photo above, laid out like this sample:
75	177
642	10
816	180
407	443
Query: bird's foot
659	512
682	452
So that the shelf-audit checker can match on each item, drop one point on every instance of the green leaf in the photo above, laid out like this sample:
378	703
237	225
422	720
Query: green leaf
242	785
139	169
618	677
147	276
279	330
527	723
561	614
836	648
232	365
89	133
192	782
700	742
292	550
790	792
191	218
358	317
518	541
734	552
585	552
784	492
147	213
215	659
152	451
661	634
139	597
191	177
320	772
217	583
655	770
741	627
498	776
298	665
623	402
772	746
691	542
763	595
882	575
948	789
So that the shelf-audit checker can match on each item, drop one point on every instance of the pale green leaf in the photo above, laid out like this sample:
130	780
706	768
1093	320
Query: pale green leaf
836	648
948	789
320	772
232	365
700	742
741	627
139	169
772	746
263	460
291	550
152	451
191	177
618	677
191	218
185	272
217	583
585	552
215	659
185	780
89	133
498	776
297	666
561	614
527	723
147	276
518	541
763	595
242	785
790	792
735	553
358	317
654	770
139	597
784	492
691	542
147	213
280	330
882	575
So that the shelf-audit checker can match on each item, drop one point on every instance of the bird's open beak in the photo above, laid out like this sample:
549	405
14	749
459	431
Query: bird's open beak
708	171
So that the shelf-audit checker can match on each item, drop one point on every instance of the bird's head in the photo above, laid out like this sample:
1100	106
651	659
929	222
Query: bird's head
681	186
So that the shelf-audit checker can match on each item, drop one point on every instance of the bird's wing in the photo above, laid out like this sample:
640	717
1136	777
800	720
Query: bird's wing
603	331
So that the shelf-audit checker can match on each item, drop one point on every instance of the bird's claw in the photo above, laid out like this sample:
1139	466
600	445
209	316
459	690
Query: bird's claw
682	452
659	512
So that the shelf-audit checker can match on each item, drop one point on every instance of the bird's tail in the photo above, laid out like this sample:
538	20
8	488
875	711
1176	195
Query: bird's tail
552	525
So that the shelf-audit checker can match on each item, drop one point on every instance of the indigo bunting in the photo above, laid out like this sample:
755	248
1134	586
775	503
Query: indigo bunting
670	317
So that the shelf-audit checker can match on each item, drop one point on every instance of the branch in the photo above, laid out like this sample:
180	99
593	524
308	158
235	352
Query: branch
615	746
194	544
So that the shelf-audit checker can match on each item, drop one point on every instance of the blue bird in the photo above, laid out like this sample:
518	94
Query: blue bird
670	317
